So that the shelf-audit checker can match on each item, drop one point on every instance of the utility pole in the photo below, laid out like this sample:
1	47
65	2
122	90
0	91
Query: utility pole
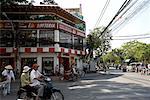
14	32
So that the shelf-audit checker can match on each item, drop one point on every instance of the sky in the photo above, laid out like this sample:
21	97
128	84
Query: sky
139	24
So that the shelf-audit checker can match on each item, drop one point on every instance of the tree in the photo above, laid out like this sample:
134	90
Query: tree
137	51
12	2
113	57
98	41
134	50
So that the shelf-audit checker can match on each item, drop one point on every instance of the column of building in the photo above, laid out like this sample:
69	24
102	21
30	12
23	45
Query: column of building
57	48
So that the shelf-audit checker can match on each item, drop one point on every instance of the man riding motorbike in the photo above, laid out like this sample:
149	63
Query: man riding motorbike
35	77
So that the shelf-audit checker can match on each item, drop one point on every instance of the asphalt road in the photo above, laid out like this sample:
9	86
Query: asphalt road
98	86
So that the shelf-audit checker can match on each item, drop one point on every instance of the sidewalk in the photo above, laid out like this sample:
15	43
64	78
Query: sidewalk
14	88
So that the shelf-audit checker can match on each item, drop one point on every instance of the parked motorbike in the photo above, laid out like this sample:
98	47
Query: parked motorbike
50	93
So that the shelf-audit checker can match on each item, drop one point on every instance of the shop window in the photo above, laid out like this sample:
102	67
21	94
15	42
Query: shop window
65	40
27	38
46	38
6	38
78	43
48	65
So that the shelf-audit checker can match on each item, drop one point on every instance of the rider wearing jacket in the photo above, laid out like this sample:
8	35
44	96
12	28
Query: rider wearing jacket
25	80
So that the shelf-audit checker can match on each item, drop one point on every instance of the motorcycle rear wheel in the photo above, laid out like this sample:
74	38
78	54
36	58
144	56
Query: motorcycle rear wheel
23	96
57	95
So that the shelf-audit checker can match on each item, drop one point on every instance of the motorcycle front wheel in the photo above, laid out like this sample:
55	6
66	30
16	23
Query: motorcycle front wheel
57	95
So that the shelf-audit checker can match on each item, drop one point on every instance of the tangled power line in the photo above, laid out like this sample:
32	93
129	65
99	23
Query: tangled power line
127	11
102	13
125	20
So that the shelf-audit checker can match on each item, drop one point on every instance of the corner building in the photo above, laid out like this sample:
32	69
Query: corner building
46	35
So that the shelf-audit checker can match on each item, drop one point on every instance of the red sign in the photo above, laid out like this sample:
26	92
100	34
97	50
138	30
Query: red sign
42	25
65	28
31	25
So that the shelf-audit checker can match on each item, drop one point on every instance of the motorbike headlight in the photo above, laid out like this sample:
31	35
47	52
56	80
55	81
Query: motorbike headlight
48	79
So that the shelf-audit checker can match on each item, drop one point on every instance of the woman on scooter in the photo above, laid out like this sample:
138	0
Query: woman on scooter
25	80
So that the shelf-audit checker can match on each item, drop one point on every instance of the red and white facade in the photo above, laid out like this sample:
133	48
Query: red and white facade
46	56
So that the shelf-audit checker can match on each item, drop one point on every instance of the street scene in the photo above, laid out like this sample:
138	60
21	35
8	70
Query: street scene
99	86
74	50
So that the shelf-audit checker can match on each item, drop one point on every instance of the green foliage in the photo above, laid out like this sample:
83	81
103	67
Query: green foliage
137	51
99	42
134	50
10	2
113	57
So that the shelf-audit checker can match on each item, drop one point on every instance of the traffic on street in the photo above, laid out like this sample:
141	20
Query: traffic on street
116	85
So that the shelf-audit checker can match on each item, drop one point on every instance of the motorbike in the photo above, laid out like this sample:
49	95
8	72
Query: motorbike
50	93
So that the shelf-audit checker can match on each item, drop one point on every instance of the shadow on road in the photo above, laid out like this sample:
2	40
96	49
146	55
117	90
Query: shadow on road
101	76
100	89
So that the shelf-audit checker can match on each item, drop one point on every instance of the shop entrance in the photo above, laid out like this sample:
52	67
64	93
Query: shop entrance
48	66
66	63
27	62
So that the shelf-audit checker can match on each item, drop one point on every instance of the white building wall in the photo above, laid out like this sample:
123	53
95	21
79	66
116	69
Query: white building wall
39	57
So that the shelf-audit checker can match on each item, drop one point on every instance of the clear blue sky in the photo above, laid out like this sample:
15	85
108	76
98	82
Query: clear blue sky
140	24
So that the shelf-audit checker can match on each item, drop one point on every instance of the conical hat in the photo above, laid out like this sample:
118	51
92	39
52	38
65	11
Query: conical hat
8	67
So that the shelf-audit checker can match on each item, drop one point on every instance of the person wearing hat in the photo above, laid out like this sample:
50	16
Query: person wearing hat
35	77
25	77
8	73
25	80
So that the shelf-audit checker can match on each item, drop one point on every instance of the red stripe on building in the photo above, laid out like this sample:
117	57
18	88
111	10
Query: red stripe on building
51	50
69	50
2	50
81	53
76	52
39	50
27	50
62	50
15	50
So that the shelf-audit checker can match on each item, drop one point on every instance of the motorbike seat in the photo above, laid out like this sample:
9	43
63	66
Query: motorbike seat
22	89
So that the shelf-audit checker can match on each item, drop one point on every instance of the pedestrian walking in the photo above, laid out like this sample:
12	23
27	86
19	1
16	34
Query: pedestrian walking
57	70
9	74
61	72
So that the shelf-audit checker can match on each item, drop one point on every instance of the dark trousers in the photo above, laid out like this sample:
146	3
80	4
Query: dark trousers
30	89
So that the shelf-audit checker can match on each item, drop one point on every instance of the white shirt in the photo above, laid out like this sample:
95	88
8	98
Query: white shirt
74	71
35	74
8	74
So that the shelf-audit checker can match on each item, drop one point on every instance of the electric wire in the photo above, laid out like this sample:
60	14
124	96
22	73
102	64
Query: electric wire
131	38
124	13
102	13
131	15
133	35
137	10
124	5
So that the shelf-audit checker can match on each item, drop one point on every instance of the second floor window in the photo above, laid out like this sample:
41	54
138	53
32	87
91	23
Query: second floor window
65	40
27	38
6	38
78	42
46	38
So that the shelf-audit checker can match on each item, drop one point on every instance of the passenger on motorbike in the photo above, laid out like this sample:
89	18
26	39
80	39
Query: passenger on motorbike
36	77
25	80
